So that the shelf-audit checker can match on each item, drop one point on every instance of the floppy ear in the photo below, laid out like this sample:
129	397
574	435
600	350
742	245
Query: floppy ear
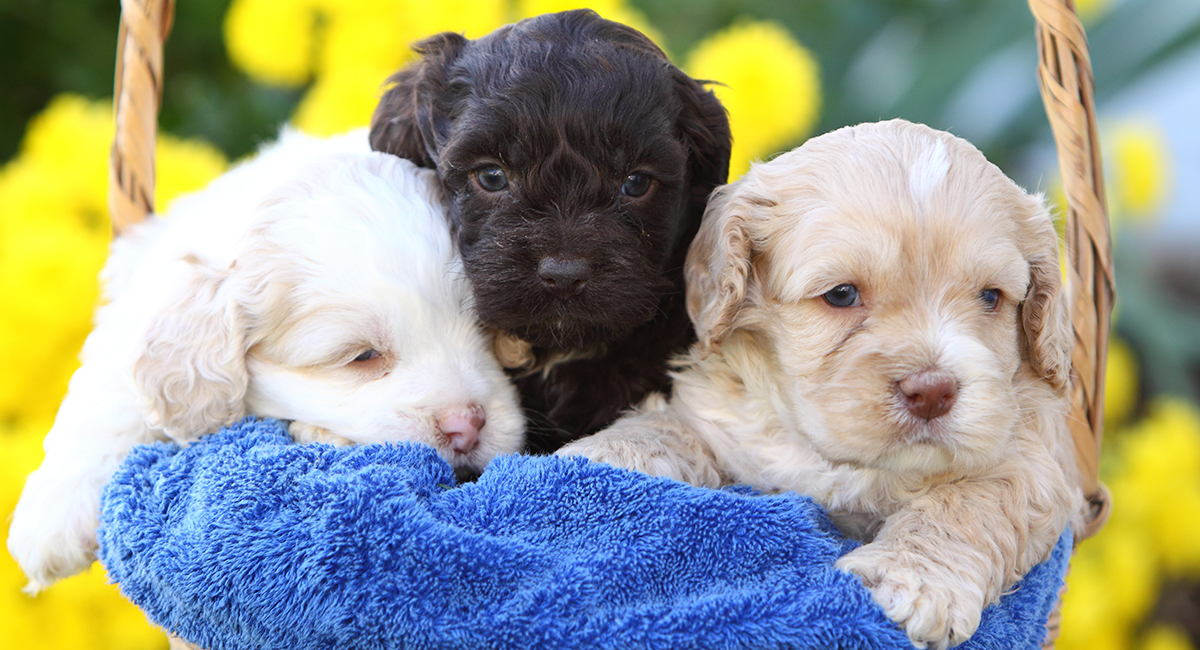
408	120
718	268
704	126
190	368
1045	316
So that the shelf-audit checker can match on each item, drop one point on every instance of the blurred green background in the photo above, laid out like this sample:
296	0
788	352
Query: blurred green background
967	66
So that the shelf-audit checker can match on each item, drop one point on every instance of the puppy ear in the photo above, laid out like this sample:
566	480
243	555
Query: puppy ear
718	268
704	126
190	369
1045	317
409	120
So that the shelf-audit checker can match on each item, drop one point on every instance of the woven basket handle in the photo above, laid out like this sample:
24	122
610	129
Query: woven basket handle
1065	76
137	94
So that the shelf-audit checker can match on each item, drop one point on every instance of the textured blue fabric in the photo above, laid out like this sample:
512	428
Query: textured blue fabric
244	540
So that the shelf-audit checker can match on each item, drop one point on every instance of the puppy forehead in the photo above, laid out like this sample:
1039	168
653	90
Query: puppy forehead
888	210
589	95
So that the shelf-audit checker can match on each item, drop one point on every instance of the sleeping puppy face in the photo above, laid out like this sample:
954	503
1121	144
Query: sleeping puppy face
577	161
905	289
345	311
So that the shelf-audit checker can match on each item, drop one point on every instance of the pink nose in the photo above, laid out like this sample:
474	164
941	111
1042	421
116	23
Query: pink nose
929	394
461	425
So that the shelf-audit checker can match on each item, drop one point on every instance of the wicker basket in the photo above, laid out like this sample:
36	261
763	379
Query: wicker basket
1064	73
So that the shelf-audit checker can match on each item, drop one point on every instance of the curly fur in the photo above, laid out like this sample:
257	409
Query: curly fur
569	105
786	391
257	296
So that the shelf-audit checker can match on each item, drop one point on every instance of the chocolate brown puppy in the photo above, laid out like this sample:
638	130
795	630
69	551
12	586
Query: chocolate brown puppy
577	161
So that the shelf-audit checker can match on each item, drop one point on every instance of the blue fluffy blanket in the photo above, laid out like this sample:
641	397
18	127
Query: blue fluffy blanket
245	540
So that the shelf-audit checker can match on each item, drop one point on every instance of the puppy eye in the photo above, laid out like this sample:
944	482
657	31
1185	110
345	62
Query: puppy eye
990	298
635	185
367	355
491	178
843	295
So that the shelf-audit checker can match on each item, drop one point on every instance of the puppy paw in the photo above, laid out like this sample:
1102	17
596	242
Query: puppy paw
306	433
53	532
937	606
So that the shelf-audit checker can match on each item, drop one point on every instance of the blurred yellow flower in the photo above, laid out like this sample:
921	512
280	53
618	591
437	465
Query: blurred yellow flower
1091	10
348	48
1140	165
614	10
771	87
1159	484
1165	637
1120	383
54	234
273	41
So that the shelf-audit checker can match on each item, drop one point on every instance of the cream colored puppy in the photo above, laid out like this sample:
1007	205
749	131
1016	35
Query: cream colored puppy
316	283
882	327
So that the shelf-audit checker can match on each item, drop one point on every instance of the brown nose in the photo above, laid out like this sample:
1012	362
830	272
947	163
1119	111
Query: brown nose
461	425
929	394
564	277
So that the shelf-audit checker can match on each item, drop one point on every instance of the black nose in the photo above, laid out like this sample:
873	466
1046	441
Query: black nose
564	277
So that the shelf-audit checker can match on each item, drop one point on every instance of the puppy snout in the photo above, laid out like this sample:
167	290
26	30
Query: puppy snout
461	425
929	394
564	277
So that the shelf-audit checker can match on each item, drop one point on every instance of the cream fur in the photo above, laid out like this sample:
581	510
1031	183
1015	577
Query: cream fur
786	392
255	296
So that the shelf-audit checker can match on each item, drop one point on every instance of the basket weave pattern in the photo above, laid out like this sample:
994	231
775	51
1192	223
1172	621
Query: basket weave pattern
1064	74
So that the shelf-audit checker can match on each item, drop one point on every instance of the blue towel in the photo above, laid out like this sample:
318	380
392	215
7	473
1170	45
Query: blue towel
244	540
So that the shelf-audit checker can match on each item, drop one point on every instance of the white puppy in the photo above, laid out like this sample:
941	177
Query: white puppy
317	284
881	327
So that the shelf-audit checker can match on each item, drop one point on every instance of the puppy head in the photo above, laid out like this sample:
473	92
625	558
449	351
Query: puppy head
577	161
907	292
345	310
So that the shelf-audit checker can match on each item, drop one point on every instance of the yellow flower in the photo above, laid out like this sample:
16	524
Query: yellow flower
1160	483
1091	10
614	10
1166	637
272	40
1112	583
183	166
772	87
54	235
1141	169
365	41
1120	383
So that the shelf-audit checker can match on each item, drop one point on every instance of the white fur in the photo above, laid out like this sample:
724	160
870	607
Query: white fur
785	391
928	170
255	296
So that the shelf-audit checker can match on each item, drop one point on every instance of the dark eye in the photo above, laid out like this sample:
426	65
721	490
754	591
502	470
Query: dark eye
367	355
635	185
491	178
843	295
990	298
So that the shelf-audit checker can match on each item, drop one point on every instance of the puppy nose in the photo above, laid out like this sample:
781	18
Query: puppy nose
929	394
564	277
462	424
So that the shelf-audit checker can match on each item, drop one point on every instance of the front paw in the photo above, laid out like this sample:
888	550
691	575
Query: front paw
601	449
306	433
936	605
53	532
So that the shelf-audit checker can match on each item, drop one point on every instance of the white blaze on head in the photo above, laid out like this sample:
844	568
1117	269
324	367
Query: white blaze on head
929	170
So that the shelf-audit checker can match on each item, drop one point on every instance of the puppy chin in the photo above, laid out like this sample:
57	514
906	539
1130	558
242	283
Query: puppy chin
595	316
